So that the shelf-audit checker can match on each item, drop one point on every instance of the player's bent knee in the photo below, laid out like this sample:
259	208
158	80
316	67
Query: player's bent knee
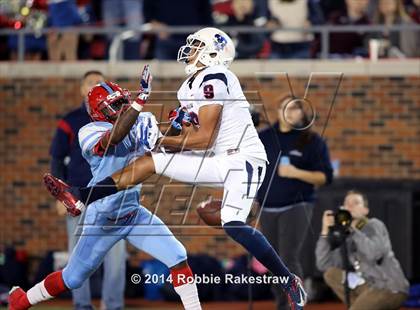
182	253
74	279
231	214
234	229
179	255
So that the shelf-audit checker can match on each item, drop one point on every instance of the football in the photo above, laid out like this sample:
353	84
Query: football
209	212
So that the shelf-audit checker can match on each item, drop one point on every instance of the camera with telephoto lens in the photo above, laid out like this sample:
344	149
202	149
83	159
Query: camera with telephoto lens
338	233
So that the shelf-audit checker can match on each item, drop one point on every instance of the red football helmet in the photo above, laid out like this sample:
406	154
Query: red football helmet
106	100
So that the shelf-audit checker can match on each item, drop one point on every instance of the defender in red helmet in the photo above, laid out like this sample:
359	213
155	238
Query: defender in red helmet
106	100
118	135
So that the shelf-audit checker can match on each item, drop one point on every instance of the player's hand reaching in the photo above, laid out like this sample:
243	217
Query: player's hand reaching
180	117
145	87
146	132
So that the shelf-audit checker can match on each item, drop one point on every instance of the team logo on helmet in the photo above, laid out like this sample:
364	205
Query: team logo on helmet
113	95
219	42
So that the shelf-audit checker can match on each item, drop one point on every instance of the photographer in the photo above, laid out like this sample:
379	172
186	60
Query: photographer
375	278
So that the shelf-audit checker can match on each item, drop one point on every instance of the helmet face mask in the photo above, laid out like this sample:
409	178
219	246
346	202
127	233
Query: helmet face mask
112	109
190	50
106	101
209	47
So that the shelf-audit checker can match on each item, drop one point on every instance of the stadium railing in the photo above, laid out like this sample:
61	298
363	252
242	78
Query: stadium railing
122	33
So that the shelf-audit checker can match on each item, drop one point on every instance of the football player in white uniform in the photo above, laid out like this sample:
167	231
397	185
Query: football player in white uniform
223	146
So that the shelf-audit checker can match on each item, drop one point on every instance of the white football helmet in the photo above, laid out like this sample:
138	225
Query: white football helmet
212	47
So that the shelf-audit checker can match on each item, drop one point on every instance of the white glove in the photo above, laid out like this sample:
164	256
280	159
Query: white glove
146	131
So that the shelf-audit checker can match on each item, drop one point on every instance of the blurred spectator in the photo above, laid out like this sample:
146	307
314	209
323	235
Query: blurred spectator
414	10
330	6
349	43
63	14
293	14
290	194
91	46
30	15
162	13
375	278
127	13
223	9
243	13
400	44
68	164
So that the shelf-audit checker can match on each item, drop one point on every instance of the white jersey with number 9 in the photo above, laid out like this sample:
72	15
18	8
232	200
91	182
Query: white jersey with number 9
218	85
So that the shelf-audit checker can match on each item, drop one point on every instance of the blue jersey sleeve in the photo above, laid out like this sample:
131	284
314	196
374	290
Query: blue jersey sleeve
90	135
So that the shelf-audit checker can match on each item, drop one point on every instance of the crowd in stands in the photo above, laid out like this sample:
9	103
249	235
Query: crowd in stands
159	14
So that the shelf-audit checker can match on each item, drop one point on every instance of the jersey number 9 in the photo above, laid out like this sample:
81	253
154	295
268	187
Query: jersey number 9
208	91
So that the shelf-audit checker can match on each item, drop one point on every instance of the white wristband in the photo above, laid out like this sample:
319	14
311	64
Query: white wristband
136	106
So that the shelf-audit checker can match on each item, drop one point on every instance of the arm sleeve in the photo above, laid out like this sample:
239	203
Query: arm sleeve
373	241
213	91
320	160
89	137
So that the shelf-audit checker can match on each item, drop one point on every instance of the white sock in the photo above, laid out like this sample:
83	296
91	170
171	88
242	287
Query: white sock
38	293
189	296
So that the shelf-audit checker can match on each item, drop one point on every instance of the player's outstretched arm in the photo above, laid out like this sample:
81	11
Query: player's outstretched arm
172	131
143	167
120	129
127	119
197	138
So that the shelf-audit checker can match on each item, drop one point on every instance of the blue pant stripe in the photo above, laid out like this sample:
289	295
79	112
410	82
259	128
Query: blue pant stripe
250	171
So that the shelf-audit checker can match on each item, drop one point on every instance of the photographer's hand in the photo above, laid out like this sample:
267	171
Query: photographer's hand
323	252
327	221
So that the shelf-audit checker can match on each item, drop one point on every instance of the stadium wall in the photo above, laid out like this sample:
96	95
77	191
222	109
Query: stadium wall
372	128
